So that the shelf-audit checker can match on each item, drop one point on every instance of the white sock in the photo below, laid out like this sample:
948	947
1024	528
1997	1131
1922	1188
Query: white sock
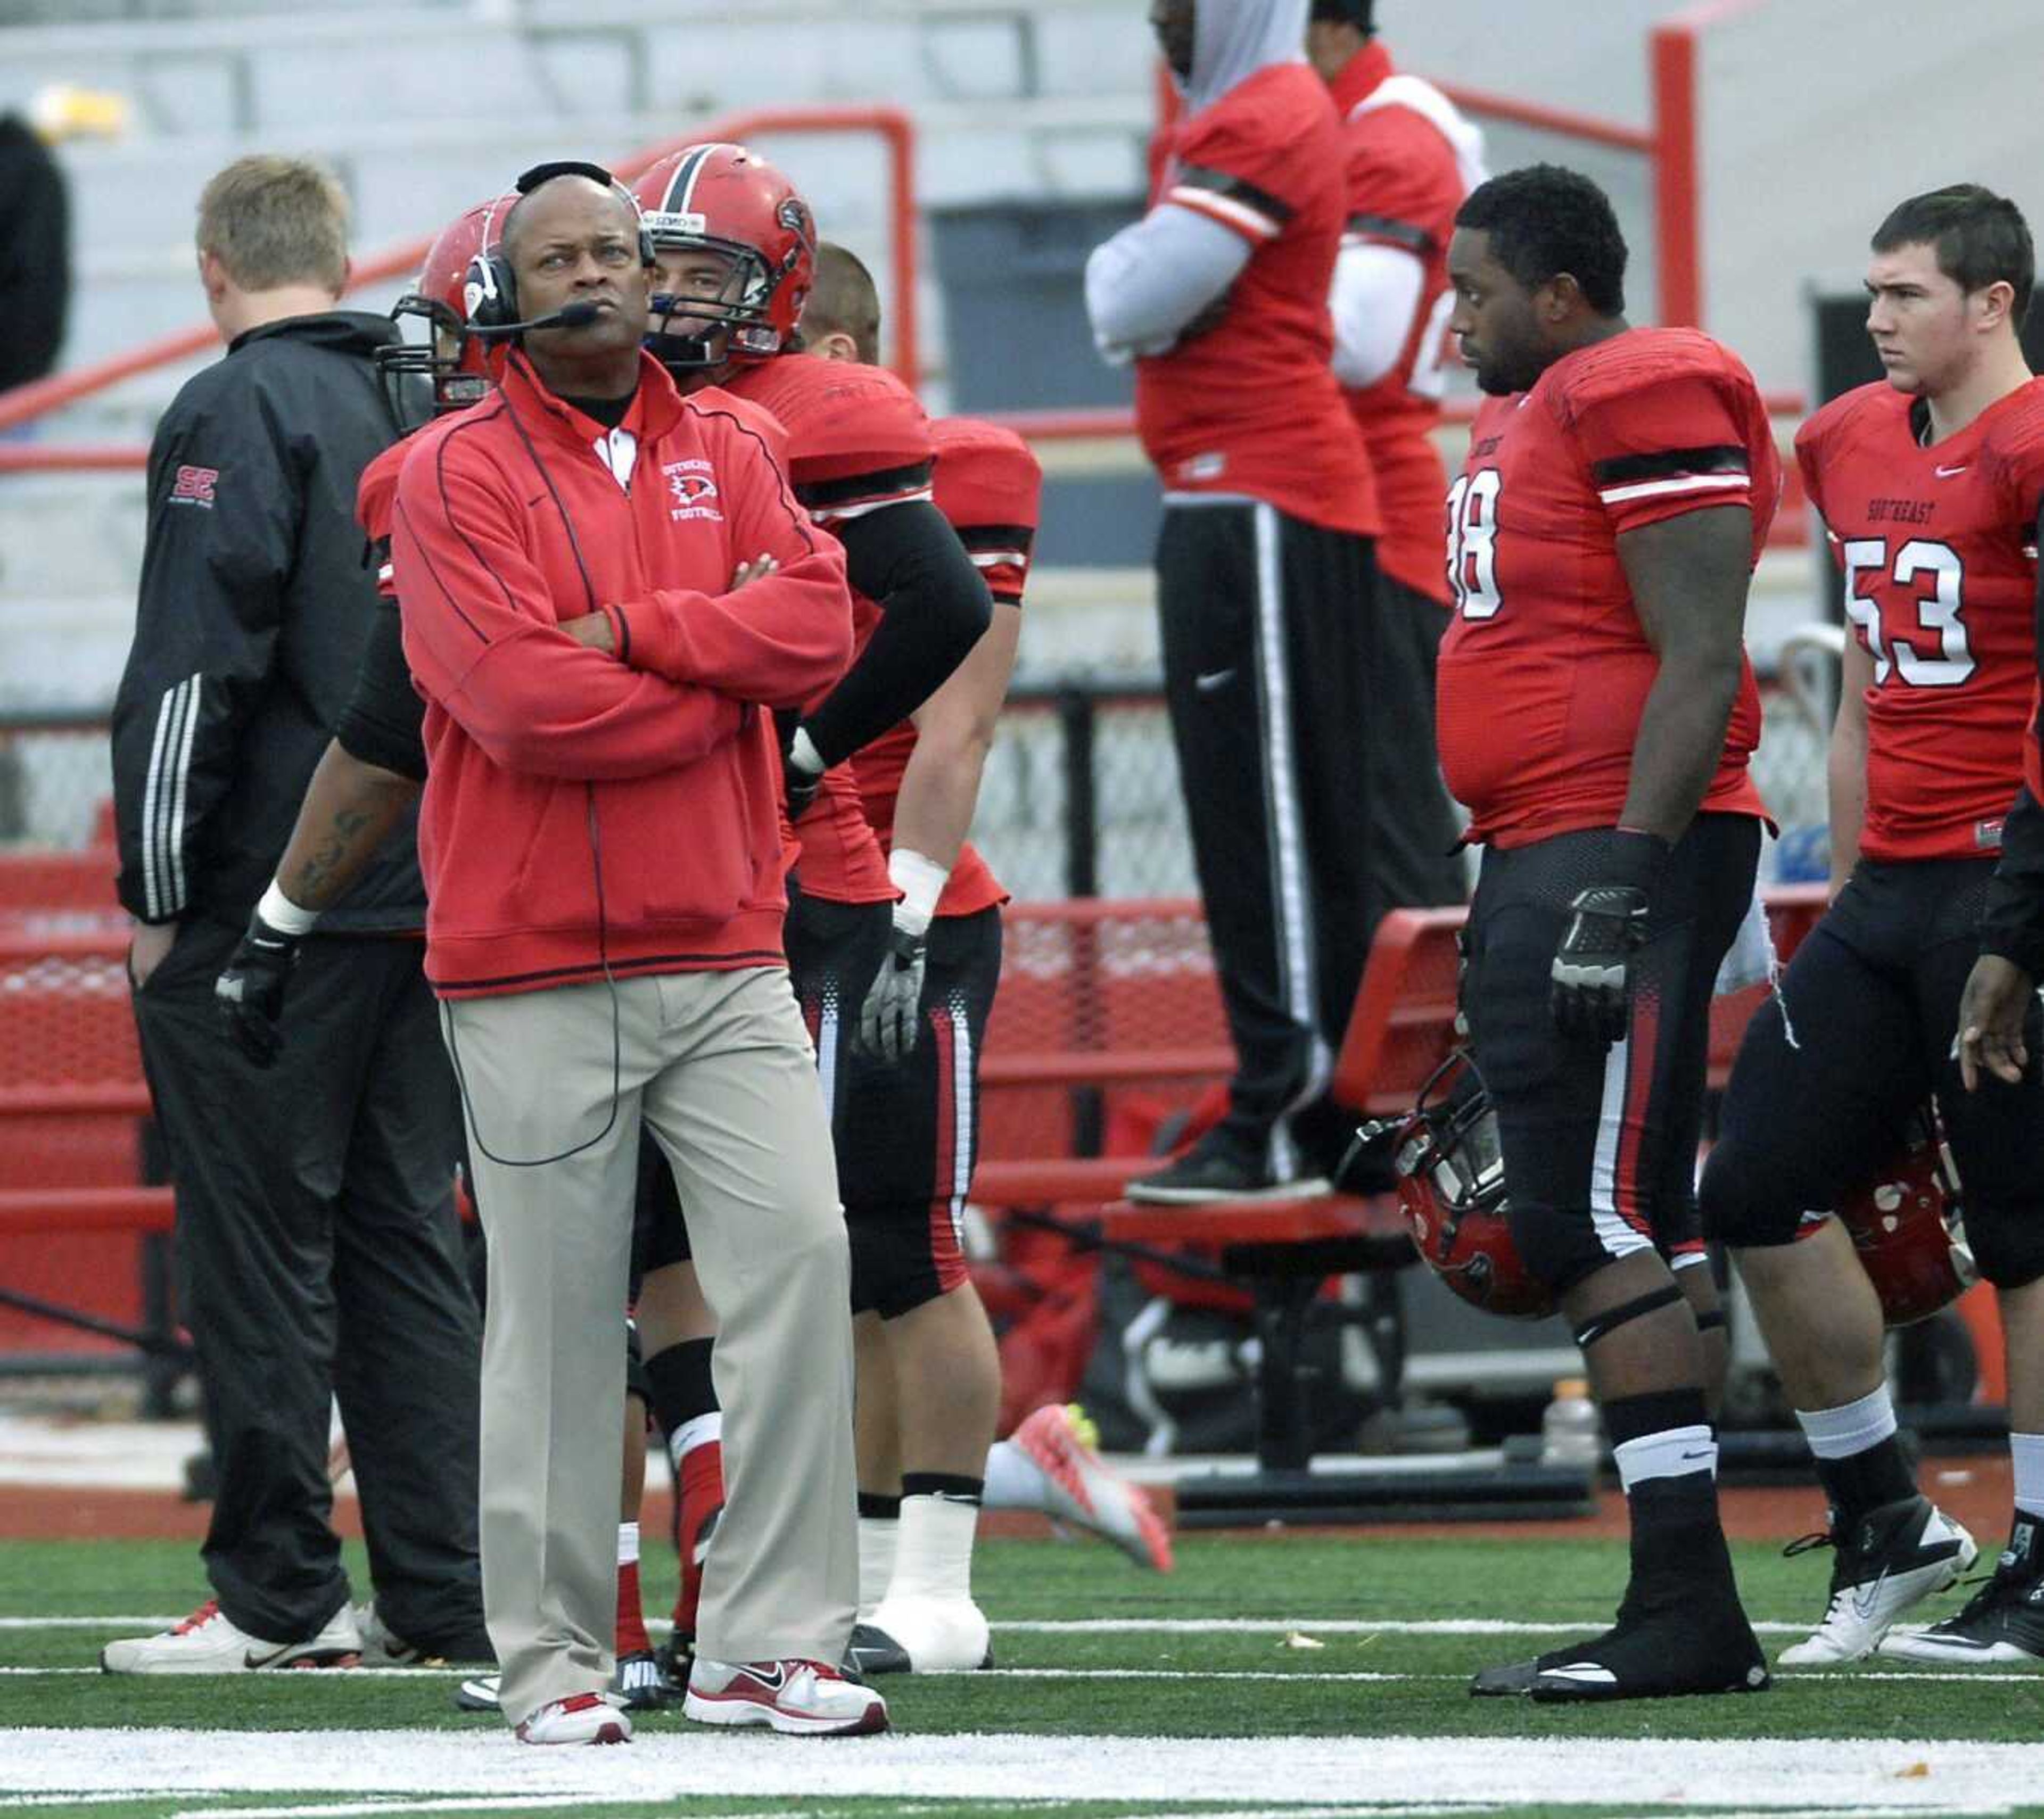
1673	1453
1014	1480
692	1434
1852	1428
933	1549
627	1544
877	1539
2026	1452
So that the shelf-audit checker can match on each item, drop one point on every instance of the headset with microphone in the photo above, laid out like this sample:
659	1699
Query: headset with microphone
490	290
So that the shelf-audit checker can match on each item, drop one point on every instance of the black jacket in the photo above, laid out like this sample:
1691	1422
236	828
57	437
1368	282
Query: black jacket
35	255
254	609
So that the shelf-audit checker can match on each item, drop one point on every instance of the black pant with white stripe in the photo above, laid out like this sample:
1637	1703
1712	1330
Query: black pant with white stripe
319	1255
1266	624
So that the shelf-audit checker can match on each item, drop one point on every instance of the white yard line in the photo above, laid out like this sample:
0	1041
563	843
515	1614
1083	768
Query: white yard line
1766	1776
1106	1625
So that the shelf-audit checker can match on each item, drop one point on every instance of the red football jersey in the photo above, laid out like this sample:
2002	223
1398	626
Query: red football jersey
1545	670
1405	182
857	442
1250	407
375	501
989	484
1939	550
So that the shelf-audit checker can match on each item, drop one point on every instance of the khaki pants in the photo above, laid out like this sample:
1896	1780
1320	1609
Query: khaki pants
554	1085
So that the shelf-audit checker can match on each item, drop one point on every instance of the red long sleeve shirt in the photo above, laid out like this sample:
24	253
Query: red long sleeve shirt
585	810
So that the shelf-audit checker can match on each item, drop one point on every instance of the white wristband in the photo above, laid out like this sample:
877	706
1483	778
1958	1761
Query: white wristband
284	916
802	752
921	882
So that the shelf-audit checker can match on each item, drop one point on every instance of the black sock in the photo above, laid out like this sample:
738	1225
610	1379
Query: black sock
683	1389
1677	1541
880	1508
953	1486
1865	1481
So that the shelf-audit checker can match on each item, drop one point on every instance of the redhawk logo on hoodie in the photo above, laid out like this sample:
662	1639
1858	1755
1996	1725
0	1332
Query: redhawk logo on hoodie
694	492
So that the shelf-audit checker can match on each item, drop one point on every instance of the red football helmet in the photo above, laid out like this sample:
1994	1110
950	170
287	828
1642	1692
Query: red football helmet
461	370
1451	1190
727	199
1906	1228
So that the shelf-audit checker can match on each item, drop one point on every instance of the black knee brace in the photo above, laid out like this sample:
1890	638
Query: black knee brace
1601	1326
1713	1321
2008	1243
1741	1202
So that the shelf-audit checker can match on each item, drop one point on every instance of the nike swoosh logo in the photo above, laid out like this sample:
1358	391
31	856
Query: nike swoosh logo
1212	680
251	1659
1688	1456
1867	1598
1947	472
773	1683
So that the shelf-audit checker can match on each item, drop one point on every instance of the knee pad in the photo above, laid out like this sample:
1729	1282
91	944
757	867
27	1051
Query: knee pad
2008	1244
897	1263
1741	1199
1560	1247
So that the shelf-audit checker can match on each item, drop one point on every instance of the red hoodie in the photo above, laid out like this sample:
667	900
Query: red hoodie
584	810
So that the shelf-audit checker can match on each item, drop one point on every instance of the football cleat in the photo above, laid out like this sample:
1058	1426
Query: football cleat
1078	1488
585	1718
912	1635
641	1683
2003	1623
206	1643
478	1693
797	1698
1652	1653
1889	1559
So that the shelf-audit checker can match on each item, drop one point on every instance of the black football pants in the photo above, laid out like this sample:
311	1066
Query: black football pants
1412	828
1267	628
319	1255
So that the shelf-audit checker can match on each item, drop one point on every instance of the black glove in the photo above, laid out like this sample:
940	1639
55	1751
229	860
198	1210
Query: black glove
249	993
889	1020
1590	993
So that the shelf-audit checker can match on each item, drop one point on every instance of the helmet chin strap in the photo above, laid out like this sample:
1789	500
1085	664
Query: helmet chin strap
684	353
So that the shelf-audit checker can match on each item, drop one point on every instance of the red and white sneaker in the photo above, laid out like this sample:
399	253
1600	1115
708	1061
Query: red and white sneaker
1079	1489
587	1717
207	1643
799	1698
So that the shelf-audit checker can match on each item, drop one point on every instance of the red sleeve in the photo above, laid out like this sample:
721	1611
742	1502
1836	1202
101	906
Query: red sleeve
1404	184
989	485
375	498
1239	163
2017	451
776	641
481	639
1658	446
1809	464
857	439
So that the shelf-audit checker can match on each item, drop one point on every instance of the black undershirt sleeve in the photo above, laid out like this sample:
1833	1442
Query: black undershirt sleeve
909	561
384	722
2012	921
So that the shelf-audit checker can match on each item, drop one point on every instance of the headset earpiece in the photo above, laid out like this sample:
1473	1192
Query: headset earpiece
489	293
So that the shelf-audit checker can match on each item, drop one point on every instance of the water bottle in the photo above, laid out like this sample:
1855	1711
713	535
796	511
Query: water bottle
1569	1432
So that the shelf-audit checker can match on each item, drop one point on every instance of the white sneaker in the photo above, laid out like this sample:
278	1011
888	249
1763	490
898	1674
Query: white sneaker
1079	1488
799	1698
206	1643
587	1717
911	1635
1890	1559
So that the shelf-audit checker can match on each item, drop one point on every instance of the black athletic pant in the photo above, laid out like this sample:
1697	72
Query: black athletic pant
319	1254
1267	631
1412	829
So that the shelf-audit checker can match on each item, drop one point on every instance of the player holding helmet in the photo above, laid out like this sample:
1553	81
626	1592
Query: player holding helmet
1929	484
1596	716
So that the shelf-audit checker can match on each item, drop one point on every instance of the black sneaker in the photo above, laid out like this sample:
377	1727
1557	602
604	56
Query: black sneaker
2003	1624
1889	1559
1219	1166
1651	1653
676	1656
873	1651
642	1684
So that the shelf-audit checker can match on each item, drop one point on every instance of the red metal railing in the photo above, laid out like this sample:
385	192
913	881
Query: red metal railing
896	131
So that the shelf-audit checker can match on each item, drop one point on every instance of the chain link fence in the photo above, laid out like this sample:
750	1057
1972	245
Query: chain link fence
1081	796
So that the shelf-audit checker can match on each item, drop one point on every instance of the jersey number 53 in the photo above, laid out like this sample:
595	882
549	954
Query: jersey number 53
1929	575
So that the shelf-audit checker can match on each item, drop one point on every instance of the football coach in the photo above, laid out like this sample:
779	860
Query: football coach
606	590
